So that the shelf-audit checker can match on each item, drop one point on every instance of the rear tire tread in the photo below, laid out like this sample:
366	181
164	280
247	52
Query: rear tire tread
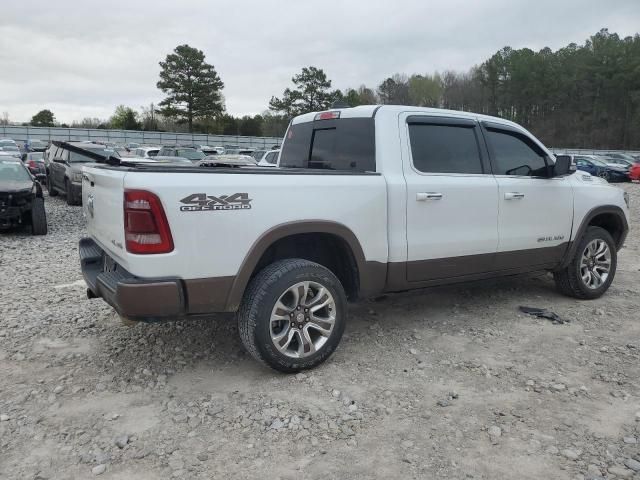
257	290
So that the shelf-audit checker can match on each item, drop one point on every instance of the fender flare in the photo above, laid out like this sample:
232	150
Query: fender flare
372	275
591	214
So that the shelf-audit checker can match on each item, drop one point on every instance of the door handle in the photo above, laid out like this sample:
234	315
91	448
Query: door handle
513	196
424	196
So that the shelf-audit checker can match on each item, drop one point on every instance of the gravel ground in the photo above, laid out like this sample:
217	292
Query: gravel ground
444	383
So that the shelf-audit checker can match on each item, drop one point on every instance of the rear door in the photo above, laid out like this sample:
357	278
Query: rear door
452	198
536	210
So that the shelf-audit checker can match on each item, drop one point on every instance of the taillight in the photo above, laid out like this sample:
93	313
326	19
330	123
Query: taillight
32	164
146	229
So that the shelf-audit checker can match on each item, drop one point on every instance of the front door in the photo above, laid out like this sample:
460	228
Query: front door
536	210
452	198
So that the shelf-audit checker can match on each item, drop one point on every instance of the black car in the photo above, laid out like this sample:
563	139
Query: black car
21	199
65	167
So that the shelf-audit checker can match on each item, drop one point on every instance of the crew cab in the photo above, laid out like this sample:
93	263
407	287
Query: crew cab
367	200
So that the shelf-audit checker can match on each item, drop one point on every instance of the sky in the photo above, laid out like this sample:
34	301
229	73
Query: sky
83	58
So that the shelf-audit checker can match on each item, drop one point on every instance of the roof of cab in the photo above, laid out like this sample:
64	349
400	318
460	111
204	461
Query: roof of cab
369	111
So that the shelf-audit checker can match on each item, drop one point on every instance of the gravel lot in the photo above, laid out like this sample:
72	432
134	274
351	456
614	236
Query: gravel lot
445	383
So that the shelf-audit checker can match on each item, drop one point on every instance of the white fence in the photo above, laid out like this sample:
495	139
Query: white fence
20	134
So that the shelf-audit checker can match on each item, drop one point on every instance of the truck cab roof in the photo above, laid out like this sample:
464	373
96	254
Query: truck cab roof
371	111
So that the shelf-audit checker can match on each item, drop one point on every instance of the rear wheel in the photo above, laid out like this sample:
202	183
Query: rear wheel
593	267
293	315
38	217
604	174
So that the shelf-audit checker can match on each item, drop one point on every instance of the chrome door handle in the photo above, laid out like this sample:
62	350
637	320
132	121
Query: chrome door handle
513	196
424	196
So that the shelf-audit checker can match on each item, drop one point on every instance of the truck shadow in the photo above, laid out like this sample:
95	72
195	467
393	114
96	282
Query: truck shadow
213	343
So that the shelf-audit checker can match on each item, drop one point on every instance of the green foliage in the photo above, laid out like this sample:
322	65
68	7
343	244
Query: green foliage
193	86
125	118
309	94
425	90
44	118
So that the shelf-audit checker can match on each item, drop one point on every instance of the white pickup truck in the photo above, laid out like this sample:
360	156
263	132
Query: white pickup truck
367	200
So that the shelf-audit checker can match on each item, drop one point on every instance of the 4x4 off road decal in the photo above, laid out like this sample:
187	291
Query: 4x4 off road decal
200	202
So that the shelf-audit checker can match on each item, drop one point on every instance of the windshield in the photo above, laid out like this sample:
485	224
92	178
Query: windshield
37	144
598	162
190	154
13	171
79	158
36	156
258	154
10	148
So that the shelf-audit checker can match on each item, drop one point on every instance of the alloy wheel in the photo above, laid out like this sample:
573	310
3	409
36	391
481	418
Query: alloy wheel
595	264
302	319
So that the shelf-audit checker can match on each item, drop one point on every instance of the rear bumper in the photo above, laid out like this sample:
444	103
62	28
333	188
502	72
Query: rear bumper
149	299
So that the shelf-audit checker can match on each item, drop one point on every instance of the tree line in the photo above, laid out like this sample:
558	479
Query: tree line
584	95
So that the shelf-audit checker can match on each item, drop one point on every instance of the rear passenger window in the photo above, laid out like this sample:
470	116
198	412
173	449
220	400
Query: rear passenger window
342	144
514	154
444	149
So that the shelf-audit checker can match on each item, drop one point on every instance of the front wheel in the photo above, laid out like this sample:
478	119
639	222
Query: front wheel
38	217
293	315
592	268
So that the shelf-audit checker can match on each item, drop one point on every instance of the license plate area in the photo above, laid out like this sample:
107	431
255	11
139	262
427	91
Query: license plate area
108	264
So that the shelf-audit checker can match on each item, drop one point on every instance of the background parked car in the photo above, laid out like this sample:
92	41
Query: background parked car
65	168
11	150
146	152
634	172
185	152
239	151
266	158
34	161
619	162
21	199
7	141
599	168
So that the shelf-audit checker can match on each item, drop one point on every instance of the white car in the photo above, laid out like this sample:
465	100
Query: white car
146	152
7	142
266	158
366	200
11	150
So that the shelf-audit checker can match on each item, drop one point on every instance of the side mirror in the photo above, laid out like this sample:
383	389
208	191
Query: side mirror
564	166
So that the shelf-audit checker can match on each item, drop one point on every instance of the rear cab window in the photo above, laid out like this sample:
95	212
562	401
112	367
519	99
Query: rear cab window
341	144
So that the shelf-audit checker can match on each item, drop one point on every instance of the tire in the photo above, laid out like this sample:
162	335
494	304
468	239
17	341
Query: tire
38	217
570	280
275	283
70	199
52	190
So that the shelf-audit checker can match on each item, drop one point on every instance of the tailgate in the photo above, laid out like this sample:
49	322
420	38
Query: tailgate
102	197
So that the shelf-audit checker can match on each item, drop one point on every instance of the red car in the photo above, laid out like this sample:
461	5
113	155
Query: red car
634	172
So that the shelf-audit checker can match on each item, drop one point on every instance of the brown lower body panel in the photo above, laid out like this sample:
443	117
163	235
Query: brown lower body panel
152	299
425	273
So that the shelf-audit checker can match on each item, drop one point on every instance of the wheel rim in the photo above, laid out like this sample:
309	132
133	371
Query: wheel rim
603	174
302	319
595	264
